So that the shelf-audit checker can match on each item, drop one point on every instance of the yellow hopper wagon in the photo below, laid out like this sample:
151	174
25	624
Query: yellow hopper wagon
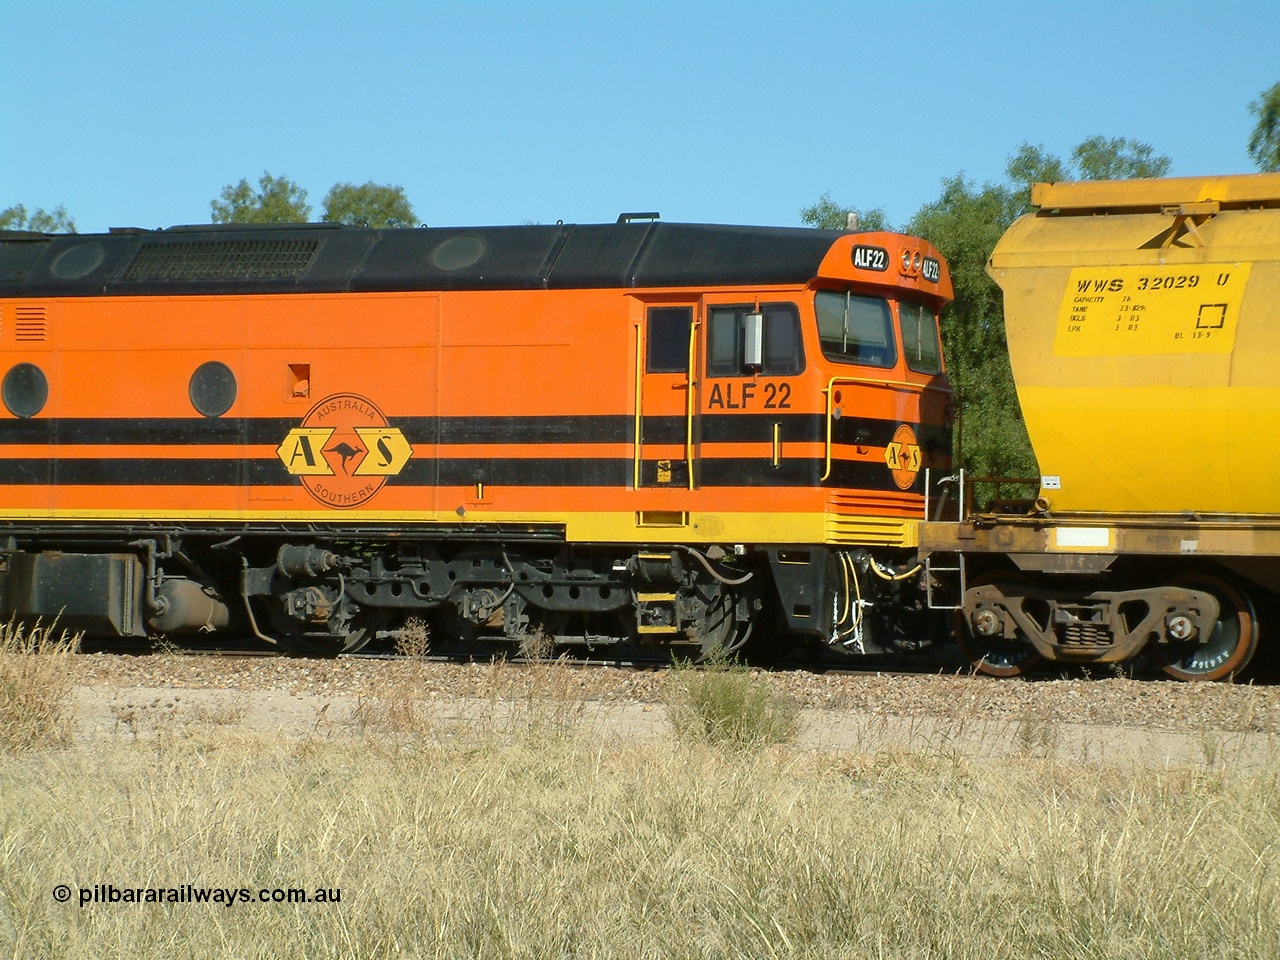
1143	322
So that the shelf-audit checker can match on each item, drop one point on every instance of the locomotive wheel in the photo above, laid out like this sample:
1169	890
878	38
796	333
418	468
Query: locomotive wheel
720	634
996	656
1231	645
363	631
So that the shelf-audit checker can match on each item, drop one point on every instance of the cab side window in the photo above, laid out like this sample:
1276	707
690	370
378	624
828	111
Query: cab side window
920	337
668	348
783	354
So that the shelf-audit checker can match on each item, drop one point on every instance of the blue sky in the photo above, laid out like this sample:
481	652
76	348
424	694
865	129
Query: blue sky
136	113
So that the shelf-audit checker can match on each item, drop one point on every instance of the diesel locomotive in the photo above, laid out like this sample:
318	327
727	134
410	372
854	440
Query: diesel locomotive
631	433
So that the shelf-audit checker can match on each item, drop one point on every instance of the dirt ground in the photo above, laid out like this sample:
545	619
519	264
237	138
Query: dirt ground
1147	723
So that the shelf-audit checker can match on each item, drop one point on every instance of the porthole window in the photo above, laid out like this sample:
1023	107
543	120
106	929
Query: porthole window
458	252
213	388
79	261
25	390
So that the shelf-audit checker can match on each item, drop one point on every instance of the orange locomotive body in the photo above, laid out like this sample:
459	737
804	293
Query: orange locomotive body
626	432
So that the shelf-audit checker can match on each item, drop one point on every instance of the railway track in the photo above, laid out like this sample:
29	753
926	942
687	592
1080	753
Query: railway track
947	660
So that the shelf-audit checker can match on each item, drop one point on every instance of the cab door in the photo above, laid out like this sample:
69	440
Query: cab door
665	401
751	431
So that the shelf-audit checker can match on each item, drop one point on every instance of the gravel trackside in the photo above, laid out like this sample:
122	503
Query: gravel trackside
1112	721
1158	705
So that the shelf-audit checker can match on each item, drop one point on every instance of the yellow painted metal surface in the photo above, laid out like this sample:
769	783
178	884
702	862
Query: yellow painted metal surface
1150	310
1110	195
1143	321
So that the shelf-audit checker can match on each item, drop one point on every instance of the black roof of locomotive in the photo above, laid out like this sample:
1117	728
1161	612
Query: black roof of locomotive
323	258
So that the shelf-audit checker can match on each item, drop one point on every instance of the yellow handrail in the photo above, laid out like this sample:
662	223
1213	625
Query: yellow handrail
866	382
688	404
639	409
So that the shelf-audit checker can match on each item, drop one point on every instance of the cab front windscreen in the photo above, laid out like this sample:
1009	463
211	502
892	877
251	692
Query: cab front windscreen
855	328
920	337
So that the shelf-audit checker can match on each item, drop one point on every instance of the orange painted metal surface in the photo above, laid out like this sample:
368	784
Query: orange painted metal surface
515	406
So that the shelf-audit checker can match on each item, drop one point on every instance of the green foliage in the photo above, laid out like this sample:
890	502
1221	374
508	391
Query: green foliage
281	200
723	703
277	200
41	221
965	223
826	214
1118	159
1029	166
369	205
1264	144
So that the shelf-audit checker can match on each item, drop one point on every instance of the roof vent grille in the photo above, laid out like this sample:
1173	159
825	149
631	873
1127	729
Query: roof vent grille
222	260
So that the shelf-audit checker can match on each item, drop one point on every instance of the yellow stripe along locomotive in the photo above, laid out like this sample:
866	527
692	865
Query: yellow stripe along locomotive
637	432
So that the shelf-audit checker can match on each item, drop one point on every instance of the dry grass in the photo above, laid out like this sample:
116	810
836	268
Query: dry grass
527	702
398	707
535	837
572	848
35	706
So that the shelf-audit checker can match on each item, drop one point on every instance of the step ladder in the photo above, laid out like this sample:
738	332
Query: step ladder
954	566
930	568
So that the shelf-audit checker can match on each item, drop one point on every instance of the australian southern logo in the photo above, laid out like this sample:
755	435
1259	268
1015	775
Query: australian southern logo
902	457
344	450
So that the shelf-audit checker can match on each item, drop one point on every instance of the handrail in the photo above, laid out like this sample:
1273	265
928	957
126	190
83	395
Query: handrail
639	408
689	404
866	382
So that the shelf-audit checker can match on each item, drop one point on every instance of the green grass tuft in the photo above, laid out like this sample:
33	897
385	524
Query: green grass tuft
724	703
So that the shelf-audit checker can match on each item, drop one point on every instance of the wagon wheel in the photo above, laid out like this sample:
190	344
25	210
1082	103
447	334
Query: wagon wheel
996	656
1230	646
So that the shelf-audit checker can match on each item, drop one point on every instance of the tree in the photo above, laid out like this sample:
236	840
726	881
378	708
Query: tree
1118	159
1264	145
277	200
370	205
40	221
826	214
1031	165
964	224
1096	158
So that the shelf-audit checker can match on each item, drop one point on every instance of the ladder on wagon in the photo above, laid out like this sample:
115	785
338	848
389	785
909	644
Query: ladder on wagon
956	565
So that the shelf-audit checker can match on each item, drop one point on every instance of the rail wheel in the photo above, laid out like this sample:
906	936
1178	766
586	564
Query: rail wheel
1231	645
720	634
362	631
996	656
